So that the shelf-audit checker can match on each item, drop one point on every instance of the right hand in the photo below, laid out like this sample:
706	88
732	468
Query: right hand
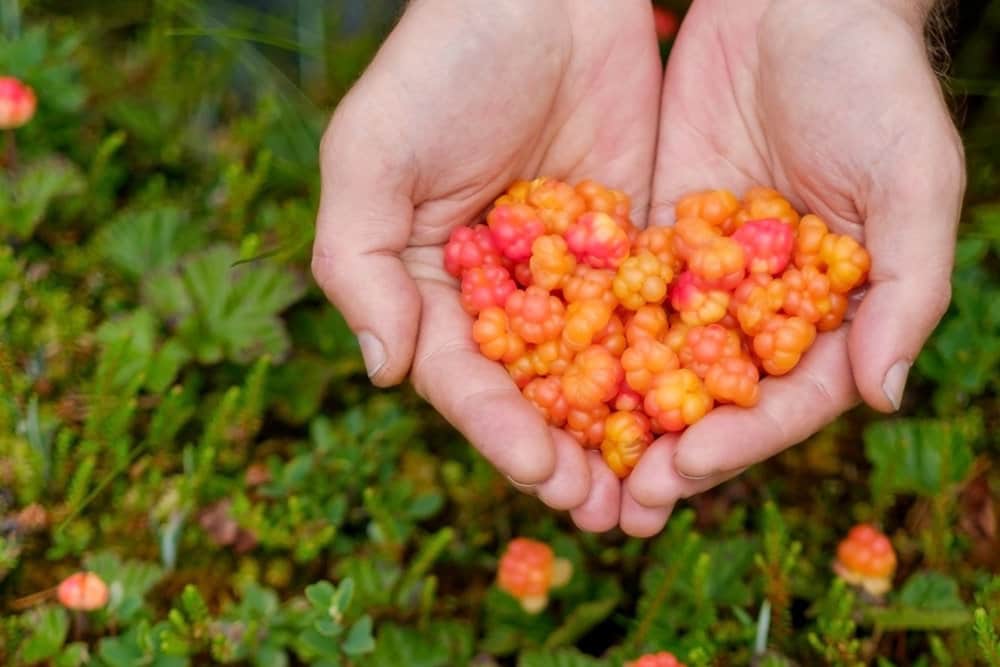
462	99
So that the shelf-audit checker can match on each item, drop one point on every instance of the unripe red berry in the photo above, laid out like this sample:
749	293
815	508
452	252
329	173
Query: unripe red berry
17	103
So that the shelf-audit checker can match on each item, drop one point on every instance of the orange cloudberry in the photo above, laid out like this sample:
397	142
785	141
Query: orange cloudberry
695	304
847	262
485	286
659	241
592	378
551	357
807	293
496	339
647	322
756	300
535	315
677	400
866	558
706	345
598	240
713	206
626	437
641	279
551	262
812	230
661	659
719	264
781	343
528	570
644	360
584	320
557	204
612	336
734	380
587	282
587	426
760	203
691	234
546	395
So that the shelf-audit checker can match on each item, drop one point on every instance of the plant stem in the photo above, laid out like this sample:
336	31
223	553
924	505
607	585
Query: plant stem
10	151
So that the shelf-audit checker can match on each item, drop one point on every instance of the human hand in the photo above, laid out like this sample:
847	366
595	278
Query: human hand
836	105
462	99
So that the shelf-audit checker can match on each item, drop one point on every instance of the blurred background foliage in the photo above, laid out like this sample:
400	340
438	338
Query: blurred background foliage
183	414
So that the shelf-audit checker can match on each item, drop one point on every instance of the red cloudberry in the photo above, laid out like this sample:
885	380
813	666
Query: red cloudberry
647	322
661	659
535	315
514	228
644	360
641	279
866	558
597	240
691	234
756	300
612	336
83	591
847	262
17	103
468	248
720	264
522	273
660	242
767	244
666	23
712	206
626	437
587	426
677	400
734	380
551	262
695	304
584	320
587	282
557	204
486	286
592	378
546	395
705	345
781	343
496	340
528	570
807	293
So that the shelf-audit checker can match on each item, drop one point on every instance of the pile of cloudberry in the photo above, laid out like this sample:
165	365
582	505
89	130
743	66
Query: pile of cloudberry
618	334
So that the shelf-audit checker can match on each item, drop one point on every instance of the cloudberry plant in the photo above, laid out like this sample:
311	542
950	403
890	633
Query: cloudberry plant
720	264
557	204
781	343
598	241
496	339
691	234
866	558
677	400
546	395
695	304
612	336
584	320
756	300
734	380
712	206
807	293
551	262
705	345
469	248
535	315
626	437
647	322
812	230
514	228
528	570
592	378
644	360
486	286
767	245
847	262
661	659
587	426
660	242
641	279
587	282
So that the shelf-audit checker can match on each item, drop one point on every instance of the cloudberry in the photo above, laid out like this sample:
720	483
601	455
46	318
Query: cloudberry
626	436
713	206
627	399
756	300
612	336
546	395
695	304
528	570
83	591
641	279
584	320
589	283
551	358
760	203
677	400
468	248
660	242
518	192
486	286
647	322
812	230
691	234
705	345
661	659
551	262
535	315
666	23
847	262
767	244
522	273
644	360
597	240
781	343
17	103
587	426
838	310
734	380
676	335
604	200
866	558
807	293
720	264
514	228
522	370
592	378
496	340
557	204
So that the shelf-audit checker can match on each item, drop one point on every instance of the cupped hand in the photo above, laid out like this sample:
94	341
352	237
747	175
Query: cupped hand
462	99
836	105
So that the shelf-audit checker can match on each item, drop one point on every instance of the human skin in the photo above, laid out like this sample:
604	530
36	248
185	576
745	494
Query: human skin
833	103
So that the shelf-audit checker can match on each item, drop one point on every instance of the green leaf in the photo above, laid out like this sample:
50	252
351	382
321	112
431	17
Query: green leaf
321	594
563	658
24	199
359	638
50	627
138	243
73	655
579	621
397	645
931	590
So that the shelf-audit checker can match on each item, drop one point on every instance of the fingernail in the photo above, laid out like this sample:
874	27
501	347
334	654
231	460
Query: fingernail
895	382
680	471
372	351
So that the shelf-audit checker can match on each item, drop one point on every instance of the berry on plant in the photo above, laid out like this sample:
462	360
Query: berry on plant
83	591
17	103
866	558
528	570
626	437
661	659
535	315
486	286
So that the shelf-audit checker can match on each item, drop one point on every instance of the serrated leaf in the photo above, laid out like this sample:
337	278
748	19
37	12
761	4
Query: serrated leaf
563	658
141	242
918	456
931	590
50	625
359	638
24	199
397	645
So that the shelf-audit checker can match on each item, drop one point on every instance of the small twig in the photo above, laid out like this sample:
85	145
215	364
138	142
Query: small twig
28	601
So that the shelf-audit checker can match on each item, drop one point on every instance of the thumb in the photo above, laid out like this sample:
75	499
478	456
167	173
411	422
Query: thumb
912	243
363	224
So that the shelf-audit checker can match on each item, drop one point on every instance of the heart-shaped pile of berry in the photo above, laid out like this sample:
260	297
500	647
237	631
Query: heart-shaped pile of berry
618	334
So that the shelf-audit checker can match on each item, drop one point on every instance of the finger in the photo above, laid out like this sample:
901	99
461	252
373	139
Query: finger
599	512
656	483
641	521
569	484
791	408
476	395
363	224
910	233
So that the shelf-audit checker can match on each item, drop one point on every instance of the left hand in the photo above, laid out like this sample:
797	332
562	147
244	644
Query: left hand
836	105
